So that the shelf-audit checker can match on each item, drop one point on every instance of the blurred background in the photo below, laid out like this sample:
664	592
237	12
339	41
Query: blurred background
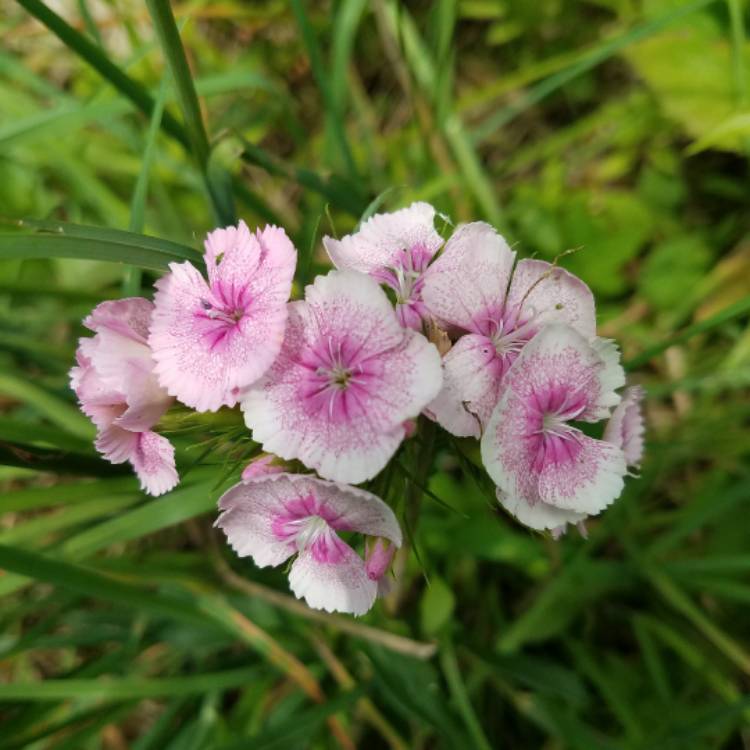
613	133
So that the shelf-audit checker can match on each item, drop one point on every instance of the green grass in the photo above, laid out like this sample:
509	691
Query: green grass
618	130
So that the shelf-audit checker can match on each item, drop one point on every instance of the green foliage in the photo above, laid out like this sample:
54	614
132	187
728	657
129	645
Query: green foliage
609	135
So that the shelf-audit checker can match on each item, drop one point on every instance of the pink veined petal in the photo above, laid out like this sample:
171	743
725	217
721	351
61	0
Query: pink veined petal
206	361
247	516
380	239
549	294
129	317
123	364
471	383
626	428
343	586
349	304
143	412
101	404
347	436
116	445
538	516
470	278
587	485
232	254
529	449
153	461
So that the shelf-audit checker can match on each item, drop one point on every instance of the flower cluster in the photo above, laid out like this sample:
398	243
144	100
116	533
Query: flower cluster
488	347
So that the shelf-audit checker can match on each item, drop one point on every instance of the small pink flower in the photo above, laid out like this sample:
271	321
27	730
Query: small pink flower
347	377
274	517
213	338
626	428
472	290
117	389
548	472
394	248
261	467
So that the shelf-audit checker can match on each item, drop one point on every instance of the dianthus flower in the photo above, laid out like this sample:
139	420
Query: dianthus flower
547	471
473	291
274	517
117	389
396	249
213	338
346	379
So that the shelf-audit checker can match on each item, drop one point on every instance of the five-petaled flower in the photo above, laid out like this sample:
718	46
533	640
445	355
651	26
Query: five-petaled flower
211	339
547	471
396	249
275	517
347	378
117	389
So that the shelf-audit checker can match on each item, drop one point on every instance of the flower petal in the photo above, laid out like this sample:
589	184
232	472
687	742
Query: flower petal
468	282
116	445
153	461
380	239
471	382
625	428
343	586
130	317
587	485
539	516
247	514
551	294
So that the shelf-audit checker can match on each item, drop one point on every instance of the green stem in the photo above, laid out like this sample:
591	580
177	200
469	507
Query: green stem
424	458
458	691
169	37
132	283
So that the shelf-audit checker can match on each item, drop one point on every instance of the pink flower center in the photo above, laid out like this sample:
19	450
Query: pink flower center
505	336
551	439
308	524
406	278
337	380
221	313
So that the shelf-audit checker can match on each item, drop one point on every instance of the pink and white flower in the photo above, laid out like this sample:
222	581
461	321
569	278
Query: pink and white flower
347	378
213	338
548	472
116	386
275	517
626	428
394	248
473	289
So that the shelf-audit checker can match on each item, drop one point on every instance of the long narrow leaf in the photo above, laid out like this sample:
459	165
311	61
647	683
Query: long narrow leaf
98	60
62	240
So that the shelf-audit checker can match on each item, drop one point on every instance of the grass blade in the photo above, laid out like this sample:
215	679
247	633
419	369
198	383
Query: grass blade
128	688
729	313
95	56
169	37
334	118
132	282
62	240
